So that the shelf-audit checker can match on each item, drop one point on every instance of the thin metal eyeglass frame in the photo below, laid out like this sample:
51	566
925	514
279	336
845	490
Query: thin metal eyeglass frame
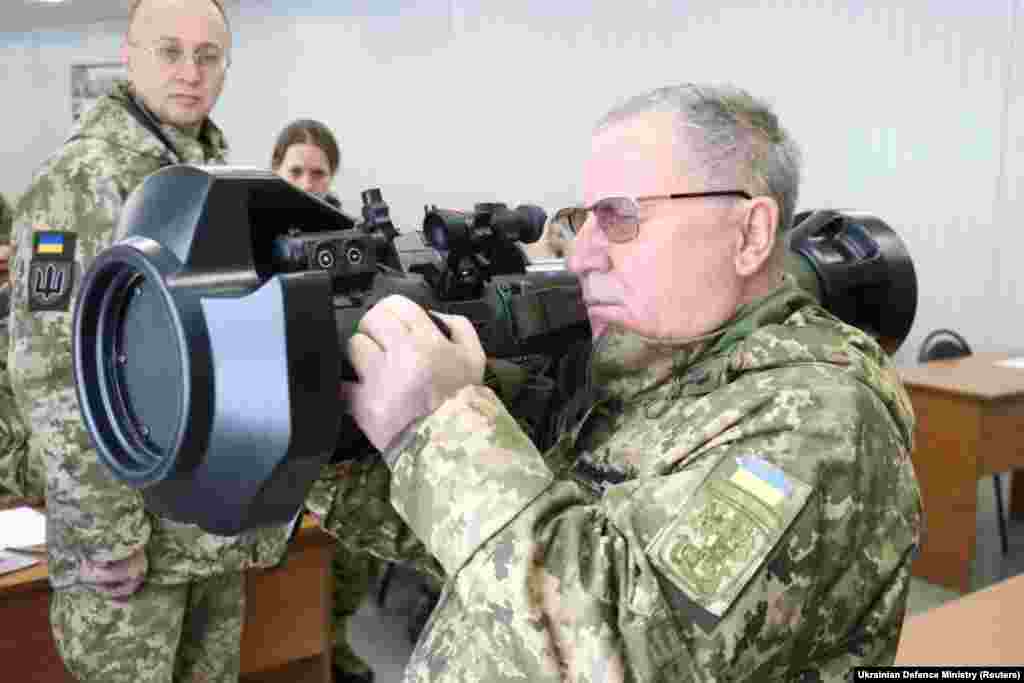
225	58
568	212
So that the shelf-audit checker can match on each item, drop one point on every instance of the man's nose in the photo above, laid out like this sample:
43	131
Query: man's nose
589	249
188	70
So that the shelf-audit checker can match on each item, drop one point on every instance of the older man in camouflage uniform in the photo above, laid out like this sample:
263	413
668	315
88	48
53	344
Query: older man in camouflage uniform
729	493
136	597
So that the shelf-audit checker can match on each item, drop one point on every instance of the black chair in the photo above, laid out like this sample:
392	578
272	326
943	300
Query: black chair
944	344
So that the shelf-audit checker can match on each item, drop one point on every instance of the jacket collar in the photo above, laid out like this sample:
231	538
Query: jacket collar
109	120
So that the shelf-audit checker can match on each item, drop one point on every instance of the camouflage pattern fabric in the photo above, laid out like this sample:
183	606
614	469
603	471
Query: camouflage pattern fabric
353	574
6	219
362	479
740	507
19	478
20	475
99	640
350	501
67	216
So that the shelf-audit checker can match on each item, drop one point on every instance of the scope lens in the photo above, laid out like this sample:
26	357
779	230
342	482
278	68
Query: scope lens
137	311
436	233
130	368
325	257
448	230
354	254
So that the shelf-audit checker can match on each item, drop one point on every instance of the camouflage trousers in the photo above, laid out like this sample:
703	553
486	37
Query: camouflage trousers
189	633
353	575
21	475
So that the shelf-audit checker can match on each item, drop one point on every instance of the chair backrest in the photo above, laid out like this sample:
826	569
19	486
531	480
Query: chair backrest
941	345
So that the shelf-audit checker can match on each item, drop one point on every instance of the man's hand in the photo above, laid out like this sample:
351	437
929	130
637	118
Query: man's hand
407	367
117	580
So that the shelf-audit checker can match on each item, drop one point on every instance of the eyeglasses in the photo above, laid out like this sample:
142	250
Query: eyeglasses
619	217
210	59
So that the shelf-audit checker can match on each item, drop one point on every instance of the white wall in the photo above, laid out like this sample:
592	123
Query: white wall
911	113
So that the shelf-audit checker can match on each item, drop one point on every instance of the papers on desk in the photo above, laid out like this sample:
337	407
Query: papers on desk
22	539
12	562
1015	363
22	528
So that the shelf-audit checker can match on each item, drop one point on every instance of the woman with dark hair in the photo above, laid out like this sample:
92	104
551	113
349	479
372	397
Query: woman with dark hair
306	155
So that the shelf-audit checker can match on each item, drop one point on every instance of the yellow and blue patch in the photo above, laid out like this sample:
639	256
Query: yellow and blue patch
51	273
53	244
50	243
762	479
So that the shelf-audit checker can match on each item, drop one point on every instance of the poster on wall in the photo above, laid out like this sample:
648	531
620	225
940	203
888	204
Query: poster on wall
92	80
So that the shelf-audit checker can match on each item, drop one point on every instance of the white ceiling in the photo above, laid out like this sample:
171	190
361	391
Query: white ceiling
19	16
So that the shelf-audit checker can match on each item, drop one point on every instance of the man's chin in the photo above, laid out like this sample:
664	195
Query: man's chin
182	118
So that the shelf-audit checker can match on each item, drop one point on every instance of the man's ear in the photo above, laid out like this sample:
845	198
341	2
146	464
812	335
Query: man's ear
757	235
126	51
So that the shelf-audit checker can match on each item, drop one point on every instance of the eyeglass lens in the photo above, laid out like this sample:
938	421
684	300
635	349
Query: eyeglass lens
204	58
617	217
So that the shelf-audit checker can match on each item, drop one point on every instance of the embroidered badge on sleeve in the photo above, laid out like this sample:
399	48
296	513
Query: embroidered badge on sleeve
51	271
727	530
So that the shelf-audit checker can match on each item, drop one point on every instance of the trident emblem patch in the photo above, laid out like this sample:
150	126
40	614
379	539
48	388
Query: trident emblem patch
51	271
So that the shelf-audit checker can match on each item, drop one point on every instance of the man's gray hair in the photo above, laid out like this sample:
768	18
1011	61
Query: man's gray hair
735	136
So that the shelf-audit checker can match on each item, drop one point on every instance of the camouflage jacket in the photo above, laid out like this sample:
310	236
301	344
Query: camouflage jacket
740	508
6	220
20	475
69	214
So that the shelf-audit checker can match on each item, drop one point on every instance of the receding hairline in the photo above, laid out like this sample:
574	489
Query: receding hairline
680	129
737	136
133	10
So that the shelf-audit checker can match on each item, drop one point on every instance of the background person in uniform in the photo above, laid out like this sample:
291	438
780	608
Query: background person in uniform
728	494
306	155
21	478
6	219
137	598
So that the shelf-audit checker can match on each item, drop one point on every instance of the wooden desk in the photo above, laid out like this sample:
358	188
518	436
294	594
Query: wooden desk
983	628
286	618
970	424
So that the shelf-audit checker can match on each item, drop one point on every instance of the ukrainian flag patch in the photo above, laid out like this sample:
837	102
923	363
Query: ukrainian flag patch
762	479
53	244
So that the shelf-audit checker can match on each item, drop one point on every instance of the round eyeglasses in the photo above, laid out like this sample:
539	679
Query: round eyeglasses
207	58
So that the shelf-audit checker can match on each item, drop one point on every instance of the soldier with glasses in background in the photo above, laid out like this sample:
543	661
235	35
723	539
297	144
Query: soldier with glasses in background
137	598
